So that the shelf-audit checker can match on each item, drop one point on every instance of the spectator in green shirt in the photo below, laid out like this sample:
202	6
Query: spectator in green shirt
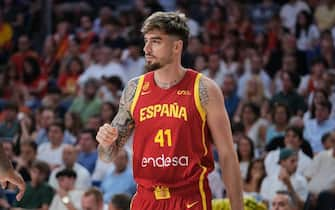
38	193
88	104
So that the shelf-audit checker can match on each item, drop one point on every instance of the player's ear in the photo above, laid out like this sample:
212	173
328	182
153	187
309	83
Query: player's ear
178	45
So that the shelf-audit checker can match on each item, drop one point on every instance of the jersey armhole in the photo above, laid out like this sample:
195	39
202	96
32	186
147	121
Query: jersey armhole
137	94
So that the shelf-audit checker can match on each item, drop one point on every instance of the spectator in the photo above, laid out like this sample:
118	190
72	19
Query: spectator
306	33
287	179
320	173
289	96
67	81
28	153
328	140
108	112
46	119
280	119
254	178
283	201
245	154
261	13
120	202
293	140
214	70
88	154
311	82
24	50
254	126
325	15
133	60
290	11
256	70
38	193
229	90
119	179
10	126
92	199
51	152
73	124
316	128
88	104
86	34
69	156
67	197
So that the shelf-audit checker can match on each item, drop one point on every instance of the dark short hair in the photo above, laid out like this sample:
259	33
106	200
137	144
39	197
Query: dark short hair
66	173
96	194
59	124
121	201
31	144
90	131
296	130
42	166
325	137
172	23
326	104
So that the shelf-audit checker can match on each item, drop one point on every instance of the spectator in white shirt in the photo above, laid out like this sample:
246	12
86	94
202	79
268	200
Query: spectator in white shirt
293	139
289	12
51	152
287	179
317	127
83	180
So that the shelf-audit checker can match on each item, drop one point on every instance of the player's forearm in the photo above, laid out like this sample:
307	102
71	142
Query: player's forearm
107	154
233	182
5	164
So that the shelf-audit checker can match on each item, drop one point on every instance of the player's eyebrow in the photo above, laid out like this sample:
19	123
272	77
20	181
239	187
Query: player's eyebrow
153	38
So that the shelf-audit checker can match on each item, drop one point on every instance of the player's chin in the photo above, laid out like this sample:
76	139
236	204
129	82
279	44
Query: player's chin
152	66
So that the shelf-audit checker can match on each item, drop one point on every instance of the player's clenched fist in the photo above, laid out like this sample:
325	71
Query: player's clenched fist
107	135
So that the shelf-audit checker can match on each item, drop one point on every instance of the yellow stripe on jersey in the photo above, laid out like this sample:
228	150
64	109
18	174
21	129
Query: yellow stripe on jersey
137	94
200	110
201	187
203	117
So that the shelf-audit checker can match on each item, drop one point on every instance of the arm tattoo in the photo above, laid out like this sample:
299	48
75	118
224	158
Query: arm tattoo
5	163
203	92
123	121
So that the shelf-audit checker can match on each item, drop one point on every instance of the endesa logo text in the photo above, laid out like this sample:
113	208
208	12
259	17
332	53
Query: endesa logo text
162	161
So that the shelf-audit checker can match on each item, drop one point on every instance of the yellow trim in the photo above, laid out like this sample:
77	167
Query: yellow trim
202	113
201	110
201	187
137	94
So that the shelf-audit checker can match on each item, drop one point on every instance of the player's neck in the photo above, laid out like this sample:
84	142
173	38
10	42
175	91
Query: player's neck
169	75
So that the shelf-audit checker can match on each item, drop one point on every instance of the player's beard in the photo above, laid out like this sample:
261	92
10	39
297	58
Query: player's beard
152	66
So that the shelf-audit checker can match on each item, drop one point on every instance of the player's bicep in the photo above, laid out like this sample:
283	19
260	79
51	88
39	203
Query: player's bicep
217	118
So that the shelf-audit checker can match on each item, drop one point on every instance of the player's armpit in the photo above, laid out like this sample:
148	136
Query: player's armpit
123	121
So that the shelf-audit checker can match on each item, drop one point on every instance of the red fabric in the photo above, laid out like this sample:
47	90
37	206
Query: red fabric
86	41
68	83
182	159
18	58
183	198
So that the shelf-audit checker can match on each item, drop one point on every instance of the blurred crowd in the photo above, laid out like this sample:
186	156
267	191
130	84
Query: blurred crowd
273	59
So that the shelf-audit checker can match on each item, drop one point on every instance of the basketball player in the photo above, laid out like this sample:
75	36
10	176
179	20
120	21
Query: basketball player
176	114
8	174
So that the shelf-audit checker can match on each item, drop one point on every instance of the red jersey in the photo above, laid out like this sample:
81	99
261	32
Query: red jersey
171	141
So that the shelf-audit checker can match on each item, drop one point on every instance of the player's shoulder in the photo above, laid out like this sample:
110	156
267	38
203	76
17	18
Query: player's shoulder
208	83
208	89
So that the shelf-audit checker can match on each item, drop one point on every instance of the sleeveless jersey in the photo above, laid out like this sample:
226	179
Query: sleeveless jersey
171	138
